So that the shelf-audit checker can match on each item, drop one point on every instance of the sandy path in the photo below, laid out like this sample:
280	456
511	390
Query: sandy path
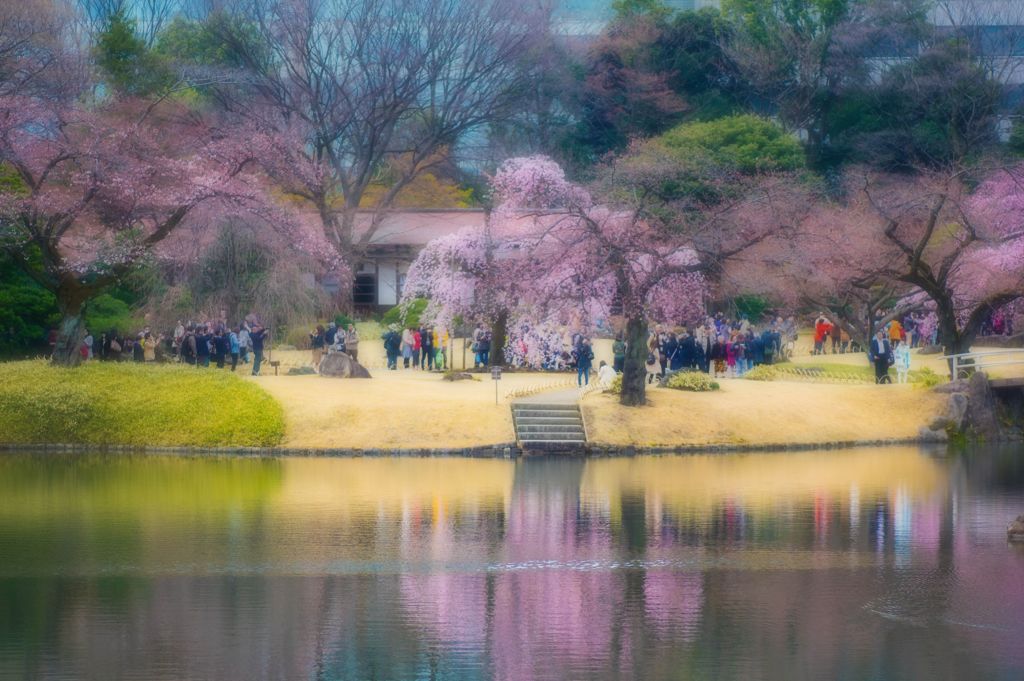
397	409
746	412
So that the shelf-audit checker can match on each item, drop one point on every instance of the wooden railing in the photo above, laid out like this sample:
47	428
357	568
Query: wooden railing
964	364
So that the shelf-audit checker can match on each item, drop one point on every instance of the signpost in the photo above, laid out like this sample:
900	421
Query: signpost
495	376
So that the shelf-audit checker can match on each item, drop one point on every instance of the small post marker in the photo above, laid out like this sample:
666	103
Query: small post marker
495	376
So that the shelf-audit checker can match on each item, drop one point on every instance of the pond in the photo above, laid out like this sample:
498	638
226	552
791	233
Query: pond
860	564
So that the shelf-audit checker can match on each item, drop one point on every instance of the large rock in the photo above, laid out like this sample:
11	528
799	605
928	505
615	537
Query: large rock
982	415
932	434
959	386
340	365
956	411
1015	532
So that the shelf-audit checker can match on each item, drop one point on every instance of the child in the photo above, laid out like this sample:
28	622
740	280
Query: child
902	356
653	368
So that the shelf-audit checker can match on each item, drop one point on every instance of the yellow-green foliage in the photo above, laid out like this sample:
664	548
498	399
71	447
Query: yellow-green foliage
616	387
133	404
762	372
926	378
697	381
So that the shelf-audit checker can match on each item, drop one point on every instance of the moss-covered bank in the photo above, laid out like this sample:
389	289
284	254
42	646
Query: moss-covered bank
134	404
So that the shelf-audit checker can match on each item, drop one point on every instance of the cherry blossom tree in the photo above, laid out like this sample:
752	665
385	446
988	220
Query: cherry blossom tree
963	249
93	191
898	243
556	251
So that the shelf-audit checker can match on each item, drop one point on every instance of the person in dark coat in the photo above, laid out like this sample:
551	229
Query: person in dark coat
881	356
427	348
392	346
584	356
687	351
258	336
673	357
203	338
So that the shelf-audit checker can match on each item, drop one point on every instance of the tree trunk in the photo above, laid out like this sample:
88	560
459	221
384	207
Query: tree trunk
499	334
67	351
953	342
634	370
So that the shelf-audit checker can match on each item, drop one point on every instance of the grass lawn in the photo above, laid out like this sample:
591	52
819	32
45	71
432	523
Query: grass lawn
134	404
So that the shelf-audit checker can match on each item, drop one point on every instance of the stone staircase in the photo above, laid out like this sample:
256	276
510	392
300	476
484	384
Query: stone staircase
549	426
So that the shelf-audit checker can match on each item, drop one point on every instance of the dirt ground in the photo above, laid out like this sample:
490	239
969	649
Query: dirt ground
407	409
398	409
751	412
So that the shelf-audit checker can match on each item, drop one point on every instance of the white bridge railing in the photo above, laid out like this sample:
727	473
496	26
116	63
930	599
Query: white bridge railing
965	363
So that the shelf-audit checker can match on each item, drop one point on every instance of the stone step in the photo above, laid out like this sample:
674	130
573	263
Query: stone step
553	446
539	413
548	421
550	428
527	406
551	437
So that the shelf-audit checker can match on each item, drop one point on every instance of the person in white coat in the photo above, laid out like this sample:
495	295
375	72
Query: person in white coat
902	356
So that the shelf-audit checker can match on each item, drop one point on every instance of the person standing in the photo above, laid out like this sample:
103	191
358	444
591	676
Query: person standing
188	345
244	343
881	357
408	341
441	343
221	347
139	348
417	347
352	342
233	342
485	348
257	336
478	335
618	354
330	335
427	348
584	360
901	355
149	347
895	332
392	346
317	339
203	338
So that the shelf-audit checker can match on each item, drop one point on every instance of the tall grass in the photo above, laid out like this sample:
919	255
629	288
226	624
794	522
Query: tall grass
134	404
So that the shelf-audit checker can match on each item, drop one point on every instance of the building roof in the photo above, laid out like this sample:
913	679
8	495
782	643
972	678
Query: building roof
418	227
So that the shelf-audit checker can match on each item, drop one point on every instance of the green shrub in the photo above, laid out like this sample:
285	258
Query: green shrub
106	312
407	314
616	387
343	320
926	378
762	372
134	404
696	381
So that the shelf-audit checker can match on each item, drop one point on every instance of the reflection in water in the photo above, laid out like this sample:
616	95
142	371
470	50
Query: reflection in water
881	564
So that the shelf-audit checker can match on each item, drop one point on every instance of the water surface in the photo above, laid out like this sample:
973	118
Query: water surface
863	564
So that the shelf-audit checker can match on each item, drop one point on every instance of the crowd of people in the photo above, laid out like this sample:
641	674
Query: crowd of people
915	329
720	346
423	348
325	341
198	344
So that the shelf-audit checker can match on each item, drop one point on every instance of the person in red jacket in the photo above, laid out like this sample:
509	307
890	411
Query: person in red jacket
821	329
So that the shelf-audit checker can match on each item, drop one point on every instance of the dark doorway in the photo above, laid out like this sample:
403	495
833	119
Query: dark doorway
364	293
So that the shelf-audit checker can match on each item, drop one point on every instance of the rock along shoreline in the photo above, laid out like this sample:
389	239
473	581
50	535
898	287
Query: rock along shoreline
508	450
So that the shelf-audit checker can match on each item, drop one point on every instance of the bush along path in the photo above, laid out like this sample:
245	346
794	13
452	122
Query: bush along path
134	404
